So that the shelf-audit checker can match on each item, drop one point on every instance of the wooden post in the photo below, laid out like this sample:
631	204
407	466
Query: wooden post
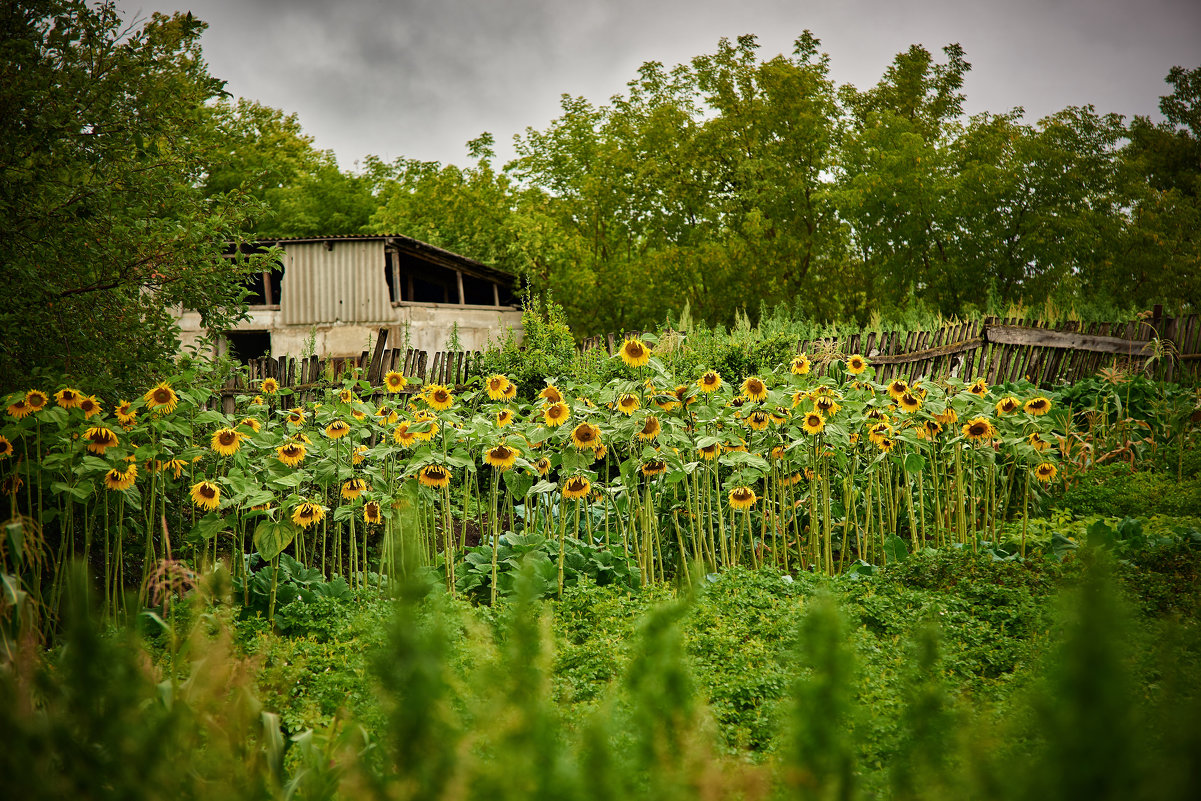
459	279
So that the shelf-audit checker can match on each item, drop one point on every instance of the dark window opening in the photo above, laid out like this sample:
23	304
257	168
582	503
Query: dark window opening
247	345
264	288
507	298
422	282
392	276
477	291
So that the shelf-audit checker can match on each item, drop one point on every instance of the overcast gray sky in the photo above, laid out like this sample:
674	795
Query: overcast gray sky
418	78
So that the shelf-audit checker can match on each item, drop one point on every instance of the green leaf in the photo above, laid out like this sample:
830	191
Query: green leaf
271	537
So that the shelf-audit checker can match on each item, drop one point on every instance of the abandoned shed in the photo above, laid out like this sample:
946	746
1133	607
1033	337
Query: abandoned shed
331	295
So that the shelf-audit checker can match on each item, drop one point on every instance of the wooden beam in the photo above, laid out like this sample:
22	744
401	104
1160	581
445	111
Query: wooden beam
1020	335
375	371
459	279
495	294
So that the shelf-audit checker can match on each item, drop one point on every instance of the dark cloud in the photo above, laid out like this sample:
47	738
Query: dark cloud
419	78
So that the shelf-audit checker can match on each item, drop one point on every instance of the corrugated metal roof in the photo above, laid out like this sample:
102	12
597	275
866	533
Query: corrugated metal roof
407	244
345	284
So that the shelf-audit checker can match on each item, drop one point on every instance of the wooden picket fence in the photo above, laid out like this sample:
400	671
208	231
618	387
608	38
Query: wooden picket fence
1001	350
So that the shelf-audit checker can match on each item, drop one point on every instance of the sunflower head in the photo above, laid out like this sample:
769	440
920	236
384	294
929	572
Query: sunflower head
99	440
758	420
36	400
504	417
813	423
206	495
635	353
501	457
89	406
980	388
496	386
710	452
826	405
754	389
337	429
353	488
6	447
856	364
119	479
291	453
650	428
655	467
161	398
438	397
947	417
897	388
1008	405
1038	406
1037	442
270	386
628	403
909	402
585	435
371	512
742	498
551	394
68	398
226	441
433	475
979	429
19	409
710	381
510	391
306	514
800	364
403	436
542	466
576	488
878	431
1046	472
556	414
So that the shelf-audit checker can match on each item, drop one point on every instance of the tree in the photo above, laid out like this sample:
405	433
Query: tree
103	227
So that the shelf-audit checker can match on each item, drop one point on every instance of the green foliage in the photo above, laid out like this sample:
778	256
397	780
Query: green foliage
539	556
305	602
1118	490
102	227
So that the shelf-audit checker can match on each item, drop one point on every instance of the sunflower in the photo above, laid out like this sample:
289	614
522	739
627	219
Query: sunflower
779	416
161	398
556	414
909	402
799	397
738	445
403	436
634	353
19	409
504	417
856	364
353	488
206	495
826	405
306	514
878	432
1046	472
980	388
346	396
800	364
270	386
119	479
89	406
257	400
897	388
542	466
6	447
979	429
1038	406
667	402
655	467
710	452
226	441
99	440
551	394
502	457
684	394
68	398
438	397
337	429
754	388
496	387
813	423
710	381
433	475
394	381
174	466
886	444
359	454
371	512
36	400
291	454
125	414
627	404
742	498
930	429
1038	443
510	391
11	485
1008	405
576	487
947	417
430	431
650	428
585	435
758	420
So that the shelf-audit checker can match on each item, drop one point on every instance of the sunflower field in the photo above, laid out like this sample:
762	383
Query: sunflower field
633	481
